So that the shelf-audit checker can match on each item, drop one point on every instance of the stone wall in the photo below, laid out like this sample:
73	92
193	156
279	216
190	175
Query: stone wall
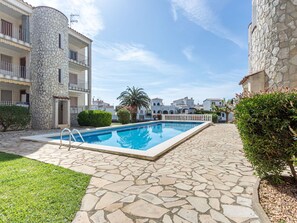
46	58
273	41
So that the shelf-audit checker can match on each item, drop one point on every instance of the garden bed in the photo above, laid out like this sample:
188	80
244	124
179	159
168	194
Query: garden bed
279	201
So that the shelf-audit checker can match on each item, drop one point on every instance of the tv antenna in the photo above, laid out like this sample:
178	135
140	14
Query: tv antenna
73	19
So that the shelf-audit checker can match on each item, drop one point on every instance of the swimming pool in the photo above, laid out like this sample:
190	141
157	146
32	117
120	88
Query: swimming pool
144	140
142	137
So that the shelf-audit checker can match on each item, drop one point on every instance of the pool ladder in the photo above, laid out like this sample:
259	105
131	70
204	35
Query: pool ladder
71	136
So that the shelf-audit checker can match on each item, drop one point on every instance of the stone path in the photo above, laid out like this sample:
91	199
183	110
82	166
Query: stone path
206	179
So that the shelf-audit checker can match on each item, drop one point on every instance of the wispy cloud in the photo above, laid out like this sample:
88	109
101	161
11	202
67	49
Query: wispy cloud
201	13
90	21
188	52
136	54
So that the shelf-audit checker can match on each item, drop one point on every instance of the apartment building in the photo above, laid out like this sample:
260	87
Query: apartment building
44	64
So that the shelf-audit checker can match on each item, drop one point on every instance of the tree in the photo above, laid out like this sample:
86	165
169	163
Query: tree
227	107
134	98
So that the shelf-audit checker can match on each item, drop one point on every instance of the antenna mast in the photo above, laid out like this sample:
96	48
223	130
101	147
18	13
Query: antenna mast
73	19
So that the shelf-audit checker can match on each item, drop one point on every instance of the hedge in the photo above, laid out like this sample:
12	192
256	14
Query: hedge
266	123
95	118
14	117
124	116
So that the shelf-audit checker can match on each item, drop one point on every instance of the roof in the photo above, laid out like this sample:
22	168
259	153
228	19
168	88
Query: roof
157	99
250	75
213	99
25	3
81	34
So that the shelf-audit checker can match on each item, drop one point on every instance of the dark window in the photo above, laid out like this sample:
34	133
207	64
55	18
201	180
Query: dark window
73	55
6	28
60	75
60	40
154	104
158	103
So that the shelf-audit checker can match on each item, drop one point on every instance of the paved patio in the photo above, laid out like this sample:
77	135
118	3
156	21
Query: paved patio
206	179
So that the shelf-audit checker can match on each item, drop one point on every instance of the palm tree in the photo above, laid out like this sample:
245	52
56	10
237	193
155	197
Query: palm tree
134	98
226	107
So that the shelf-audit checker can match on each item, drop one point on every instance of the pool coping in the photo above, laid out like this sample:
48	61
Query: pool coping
151	154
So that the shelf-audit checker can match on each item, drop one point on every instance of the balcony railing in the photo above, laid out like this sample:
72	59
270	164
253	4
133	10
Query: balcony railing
17	103
80	86
79	58
13	70
15	33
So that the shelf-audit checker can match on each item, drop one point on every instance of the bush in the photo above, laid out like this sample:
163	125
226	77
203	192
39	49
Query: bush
83	118
95	118
215	118
14	117
124	116
264	122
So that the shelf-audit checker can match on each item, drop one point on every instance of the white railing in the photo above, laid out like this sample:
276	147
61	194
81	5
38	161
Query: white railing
79	86
14	70
187	117
14	32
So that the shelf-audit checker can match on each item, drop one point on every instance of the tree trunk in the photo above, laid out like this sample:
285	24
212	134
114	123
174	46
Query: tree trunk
293	171
227	117
133	117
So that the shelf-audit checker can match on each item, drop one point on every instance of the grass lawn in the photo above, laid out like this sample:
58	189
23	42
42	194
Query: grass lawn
32	191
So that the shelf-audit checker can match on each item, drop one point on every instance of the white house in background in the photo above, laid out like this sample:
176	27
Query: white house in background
103	106
210	102
158	107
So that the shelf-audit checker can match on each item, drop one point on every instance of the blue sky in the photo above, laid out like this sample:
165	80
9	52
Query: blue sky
171	48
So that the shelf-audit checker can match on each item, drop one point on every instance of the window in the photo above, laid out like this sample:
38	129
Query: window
6	62
6	27
158	103
154	111
73	79
154	105
6	96
223	115
60	75
60	41
72	55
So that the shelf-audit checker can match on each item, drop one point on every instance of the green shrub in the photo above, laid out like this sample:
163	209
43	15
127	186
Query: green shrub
95	118
83	118
215	118
264	122
124	116
14	117
100	118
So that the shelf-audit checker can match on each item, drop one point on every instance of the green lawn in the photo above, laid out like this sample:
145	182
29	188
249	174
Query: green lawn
32	191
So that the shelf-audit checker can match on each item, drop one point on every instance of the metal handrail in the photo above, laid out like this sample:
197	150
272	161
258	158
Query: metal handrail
70	135
75	130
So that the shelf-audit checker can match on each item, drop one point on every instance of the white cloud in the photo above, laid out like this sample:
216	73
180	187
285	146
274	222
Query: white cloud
188	52
136	55
200	12
90	21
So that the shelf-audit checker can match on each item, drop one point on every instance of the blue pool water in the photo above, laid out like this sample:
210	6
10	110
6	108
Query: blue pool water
139	137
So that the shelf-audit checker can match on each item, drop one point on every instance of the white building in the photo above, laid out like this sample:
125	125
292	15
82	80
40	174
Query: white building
210	102
43	63
158	107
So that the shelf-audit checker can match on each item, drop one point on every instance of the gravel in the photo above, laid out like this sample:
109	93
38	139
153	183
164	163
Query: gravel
279	201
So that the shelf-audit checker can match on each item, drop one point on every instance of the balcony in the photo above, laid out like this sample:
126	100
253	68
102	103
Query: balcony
15	34
79	59
79	86
16	103
13	71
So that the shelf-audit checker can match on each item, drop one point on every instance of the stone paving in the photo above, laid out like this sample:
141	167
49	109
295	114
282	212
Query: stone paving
206	179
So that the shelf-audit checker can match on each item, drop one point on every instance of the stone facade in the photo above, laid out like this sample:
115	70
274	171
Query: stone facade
47	57
273	42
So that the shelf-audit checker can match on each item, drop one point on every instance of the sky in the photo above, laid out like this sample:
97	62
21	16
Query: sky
170	48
